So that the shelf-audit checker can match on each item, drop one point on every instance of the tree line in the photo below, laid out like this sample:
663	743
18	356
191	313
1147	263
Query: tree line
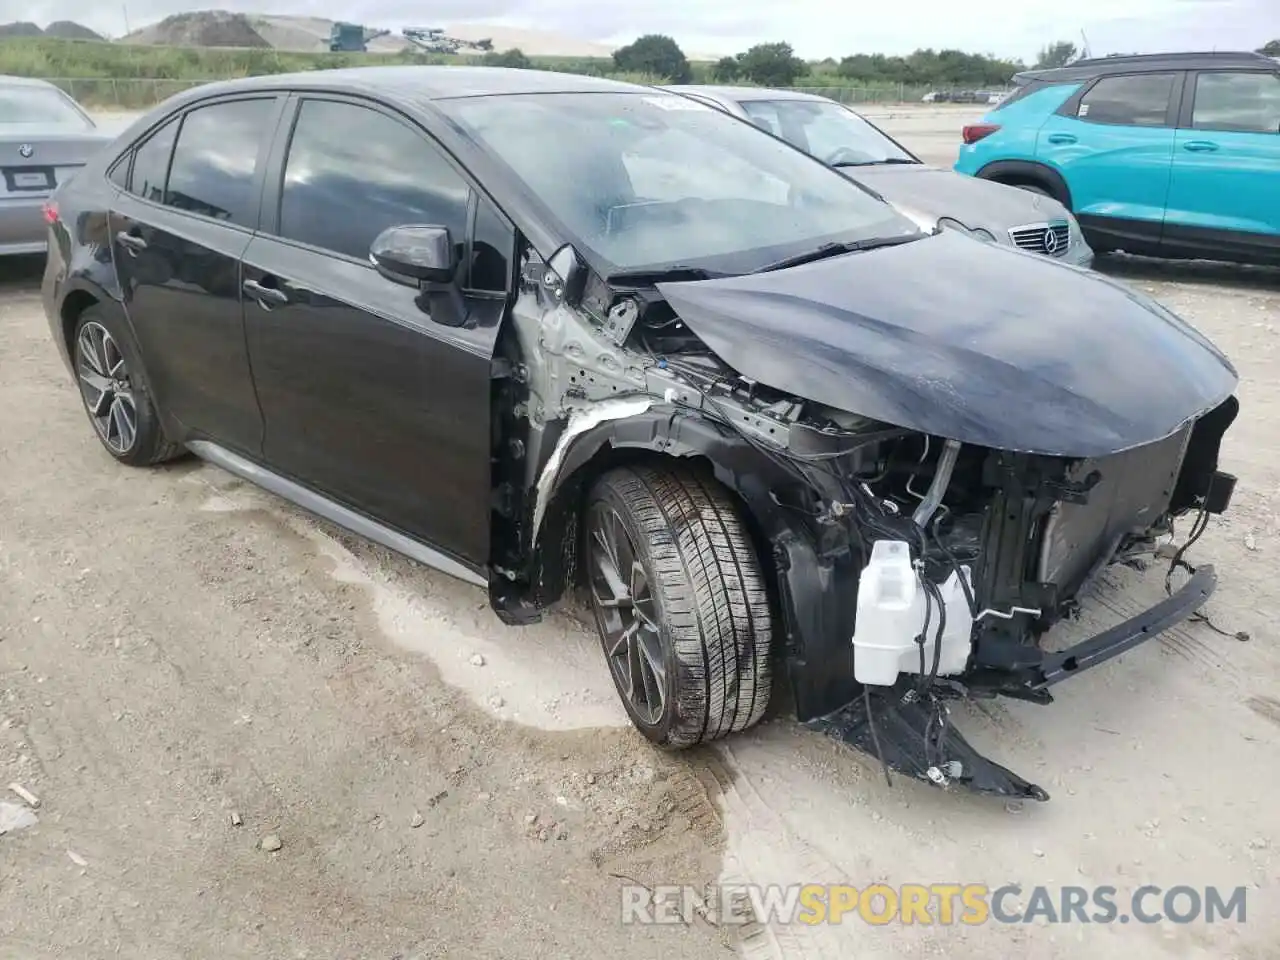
776	65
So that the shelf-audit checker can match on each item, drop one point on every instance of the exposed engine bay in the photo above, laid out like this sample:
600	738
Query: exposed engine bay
910	568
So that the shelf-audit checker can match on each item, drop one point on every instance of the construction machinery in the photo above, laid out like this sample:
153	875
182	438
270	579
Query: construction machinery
352	37
435	40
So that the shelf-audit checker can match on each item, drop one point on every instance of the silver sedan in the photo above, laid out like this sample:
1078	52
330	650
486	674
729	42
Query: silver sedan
45	137
931	197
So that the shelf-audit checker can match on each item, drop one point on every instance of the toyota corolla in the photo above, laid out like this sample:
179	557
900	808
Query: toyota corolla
542	331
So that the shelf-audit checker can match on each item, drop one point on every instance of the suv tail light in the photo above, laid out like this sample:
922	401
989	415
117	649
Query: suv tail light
50	211
976	131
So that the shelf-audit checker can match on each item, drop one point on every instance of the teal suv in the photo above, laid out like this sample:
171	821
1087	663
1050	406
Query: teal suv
1172	155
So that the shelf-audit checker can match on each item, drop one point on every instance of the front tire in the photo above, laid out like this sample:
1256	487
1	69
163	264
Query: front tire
114	392
680	602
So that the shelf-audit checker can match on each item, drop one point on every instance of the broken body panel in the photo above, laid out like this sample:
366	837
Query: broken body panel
834	410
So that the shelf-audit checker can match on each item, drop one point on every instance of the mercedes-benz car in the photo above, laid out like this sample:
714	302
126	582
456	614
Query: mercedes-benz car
544	331
45	138
1025	218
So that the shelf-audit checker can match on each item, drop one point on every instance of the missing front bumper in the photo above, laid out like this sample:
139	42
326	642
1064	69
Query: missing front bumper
912	734
1032	682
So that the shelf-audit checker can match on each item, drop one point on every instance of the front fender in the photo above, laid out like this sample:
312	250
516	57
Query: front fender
814	582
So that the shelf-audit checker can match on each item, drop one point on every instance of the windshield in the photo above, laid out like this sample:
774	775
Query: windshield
832	133
645	180
33	105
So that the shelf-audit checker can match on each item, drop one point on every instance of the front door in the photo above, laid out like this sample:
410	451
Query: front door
1113	144
366	397
1225	189
178	231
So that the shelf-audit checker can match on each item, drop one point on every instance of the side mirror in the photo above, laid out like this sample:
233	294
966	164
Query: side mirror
423	257
415	255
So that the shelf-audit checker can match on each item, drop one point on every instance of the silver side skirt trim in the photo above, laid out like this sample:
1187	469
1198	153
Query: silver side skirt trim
334	512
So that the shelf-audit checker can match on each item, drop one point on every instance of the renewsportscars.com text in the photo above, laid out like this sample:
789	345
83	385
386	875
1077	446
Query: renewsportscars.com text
926	904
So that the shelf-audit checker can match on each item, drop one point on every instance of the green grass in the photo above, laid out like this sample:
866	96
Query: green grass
113	74
129	77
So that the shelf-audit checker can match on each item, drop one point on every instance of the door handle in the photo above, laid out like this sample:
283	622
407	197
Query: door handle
264	295
1200	146
1061	138
131	242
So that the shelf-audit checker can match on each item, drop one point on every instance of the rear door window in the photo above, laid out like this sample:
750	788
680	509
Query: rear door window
352	172
1140	100
1239	102
215	163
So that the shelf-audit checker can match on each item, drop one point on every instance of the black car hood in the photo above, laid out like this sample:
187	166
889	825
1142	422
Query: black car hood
968	341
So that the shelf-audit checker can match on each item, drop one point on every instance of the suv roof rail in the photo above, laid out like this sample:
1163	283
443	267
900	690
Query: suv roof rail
1095	66
1231	55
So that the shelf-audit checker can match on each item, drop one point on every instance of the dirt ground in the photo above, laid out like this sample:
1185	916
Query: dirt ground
189	666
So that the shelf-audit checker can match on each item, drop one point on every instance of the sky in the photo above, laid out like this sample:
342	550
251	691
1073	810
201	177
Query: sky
815	28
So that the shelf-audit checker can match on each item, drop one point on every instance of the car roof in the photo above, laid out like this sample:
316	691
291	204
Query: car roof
1144	63
10	81
427	82
741	94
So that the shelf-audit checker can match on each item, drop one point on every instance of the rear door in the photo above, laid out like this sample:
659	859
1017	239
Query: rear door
1225	189
178	229
1112	142
367	398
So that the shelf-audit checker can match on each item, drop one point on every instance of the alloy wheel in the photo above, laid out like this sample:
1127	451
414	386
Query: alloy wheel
106	387
623	603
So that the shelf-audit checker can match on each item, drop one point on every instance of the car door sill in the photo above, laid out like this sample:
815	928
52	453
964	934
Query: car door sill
334	512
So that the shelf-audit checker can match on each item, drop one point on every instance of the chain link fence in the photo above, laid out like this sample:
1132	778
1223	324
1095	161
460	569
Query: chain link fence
121	94
903	93
890	94
136	94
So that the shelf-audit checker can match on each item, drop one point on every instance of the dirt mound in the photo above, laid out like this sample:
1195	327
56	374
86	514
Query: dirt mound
205	28
20	28
301	34
70	30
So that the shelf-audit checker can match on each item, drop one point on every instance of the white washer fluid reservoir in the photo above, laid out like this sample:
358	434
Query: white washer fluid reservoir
891	612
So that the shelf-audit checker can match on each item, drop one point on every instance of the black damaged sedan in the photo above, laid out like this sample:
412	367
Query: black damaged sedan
545	331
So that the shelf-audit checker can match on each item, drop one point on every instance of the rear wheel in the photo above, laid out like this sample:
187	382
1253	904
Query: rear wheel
680	602
114	393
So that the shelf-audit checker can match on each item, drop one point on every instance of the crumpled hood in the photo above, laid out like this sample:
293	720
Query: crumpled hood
968	341
943	193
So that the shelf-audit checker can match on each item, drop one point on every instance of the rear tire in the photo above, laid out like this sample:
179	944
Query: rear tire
687	632
115	394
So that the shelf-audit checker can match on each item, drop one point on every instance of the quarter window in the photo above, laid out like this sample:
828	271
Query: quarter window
216	159
352	172
1141	100
151	163
491	251
1244	102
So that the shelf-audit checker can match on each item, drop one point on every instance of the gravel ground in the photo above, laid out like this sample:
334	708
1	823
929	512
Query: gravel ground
192	672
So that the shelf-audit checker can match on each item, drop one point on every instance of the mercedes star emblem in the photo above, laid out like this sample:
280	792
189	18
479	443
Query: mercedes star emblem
26	150
1050	241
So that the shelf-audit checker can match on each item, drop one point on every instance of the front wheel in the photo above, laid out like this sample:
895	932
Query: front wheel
680	602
